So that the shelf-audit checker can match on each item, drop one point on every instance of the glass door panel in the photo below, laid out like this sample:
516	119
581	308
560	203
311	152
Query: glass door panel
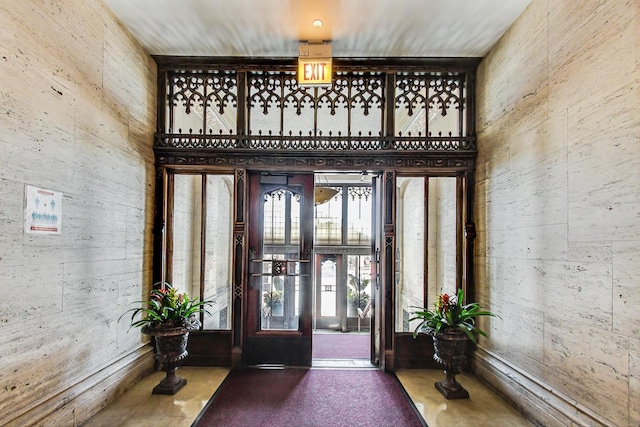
328	216
218	257
411	248
330	293
187	232
280	266
359	215
442	259
359	292
328	288
426	254
200	257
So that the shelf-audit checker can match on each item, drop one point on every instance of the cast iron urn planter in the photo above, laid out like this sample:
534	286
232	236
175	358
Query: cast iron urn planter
450	351
171	350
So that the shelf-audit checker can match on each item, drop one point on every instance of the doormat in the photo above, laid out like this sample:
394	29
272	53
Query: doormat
341	346
297	397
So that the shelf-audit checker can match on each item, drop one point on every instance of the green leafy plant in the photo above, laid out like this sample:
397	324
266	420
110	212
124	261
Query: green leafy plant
450	313
273	298
166	308
356	294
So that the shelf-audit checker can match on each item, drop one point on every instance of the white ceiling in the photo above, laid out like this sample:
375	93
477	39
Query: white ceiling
356	28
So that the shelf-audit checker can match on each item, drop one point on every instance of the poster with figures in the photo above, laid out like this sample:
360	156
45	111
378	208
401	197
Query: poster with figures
43	211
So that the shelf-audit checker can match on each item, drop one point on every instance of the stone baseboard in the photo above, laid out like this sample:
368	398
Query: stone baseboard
539	402
78	402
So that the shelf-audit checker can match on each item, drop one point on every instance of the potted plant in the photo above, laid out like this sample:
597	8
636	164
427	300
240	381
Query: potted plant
356	294
272	303
168	316
452	325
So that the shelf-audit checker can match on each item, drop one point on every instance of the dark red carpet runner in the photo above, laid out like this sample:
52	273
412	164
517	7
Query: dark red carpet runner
299	397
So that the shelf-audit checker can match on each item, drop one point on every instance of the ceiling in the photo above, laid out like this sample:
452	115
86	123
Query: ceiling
355	28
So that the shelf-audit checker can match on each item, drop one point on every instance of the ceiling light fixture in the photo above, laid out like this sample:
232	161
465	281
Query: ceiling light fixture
324	194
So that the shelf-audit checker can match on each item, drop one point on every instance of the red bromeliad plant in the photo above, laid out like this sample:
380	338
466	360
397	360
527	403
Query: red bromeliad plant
166	308
450	313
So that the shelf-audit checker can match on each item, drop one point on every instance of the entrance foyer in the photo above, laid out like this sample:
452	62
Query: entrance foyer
236	153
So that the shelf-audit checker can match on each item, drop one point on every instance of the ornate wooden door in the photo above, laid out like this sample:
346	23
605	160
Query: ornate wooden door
279	292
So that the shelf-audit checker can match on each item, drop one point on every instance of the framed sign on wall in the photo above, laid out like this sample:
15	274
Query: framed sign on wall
43	211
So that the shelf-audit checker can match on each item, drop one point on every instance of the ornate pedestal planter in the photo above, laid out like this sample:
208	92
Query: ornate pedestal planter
450	352
171	350
456	326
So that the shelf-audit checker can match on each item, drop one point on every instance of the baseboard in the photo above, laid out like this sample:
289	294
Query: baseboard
81	400
538	401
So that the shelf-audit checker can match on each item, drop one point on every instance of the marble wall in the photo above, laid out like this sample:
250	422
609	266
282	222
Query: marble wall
558	212
77	115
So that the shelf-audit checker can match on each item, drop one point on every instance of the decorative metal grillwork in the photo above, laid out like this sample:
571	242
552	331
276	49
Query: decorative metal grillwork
207	95
283	115
442	93
425	97
330	142
360	192
246	108
280	194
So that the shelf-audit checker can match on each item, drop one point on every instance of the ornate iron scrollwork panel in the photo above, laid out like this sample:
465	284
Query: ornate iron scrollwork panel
206	109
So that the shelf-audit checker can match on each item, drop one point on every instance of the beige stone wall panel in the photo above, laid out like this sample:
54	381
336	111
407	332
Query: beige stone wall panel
597	251
604	166
626	288
11	223
591	44
77	106
495	160
31	300
518	68
592	47
63	40
599	365
558	215
634	381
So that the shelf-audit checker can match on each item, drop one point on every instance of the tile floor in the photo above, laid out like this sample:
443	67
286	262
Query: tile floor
139	408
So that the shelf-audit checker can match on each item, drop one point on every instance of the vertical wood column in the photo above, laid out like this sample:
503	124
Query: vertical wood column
162	103
242	127
389	110
460	221
425	226
159	217
470	105
168	227
388	269
239	274
470	237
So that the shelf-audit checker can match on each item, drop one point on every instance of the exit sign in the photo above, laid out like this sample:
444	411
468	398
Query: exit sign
314	71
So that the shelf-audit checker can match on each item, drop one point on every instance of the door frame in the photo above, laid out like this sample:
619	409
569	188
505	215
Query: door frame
390	350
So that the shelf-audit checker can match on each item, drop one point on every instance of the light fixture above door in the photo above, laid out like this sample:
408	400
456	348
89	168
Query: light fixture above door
323	194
